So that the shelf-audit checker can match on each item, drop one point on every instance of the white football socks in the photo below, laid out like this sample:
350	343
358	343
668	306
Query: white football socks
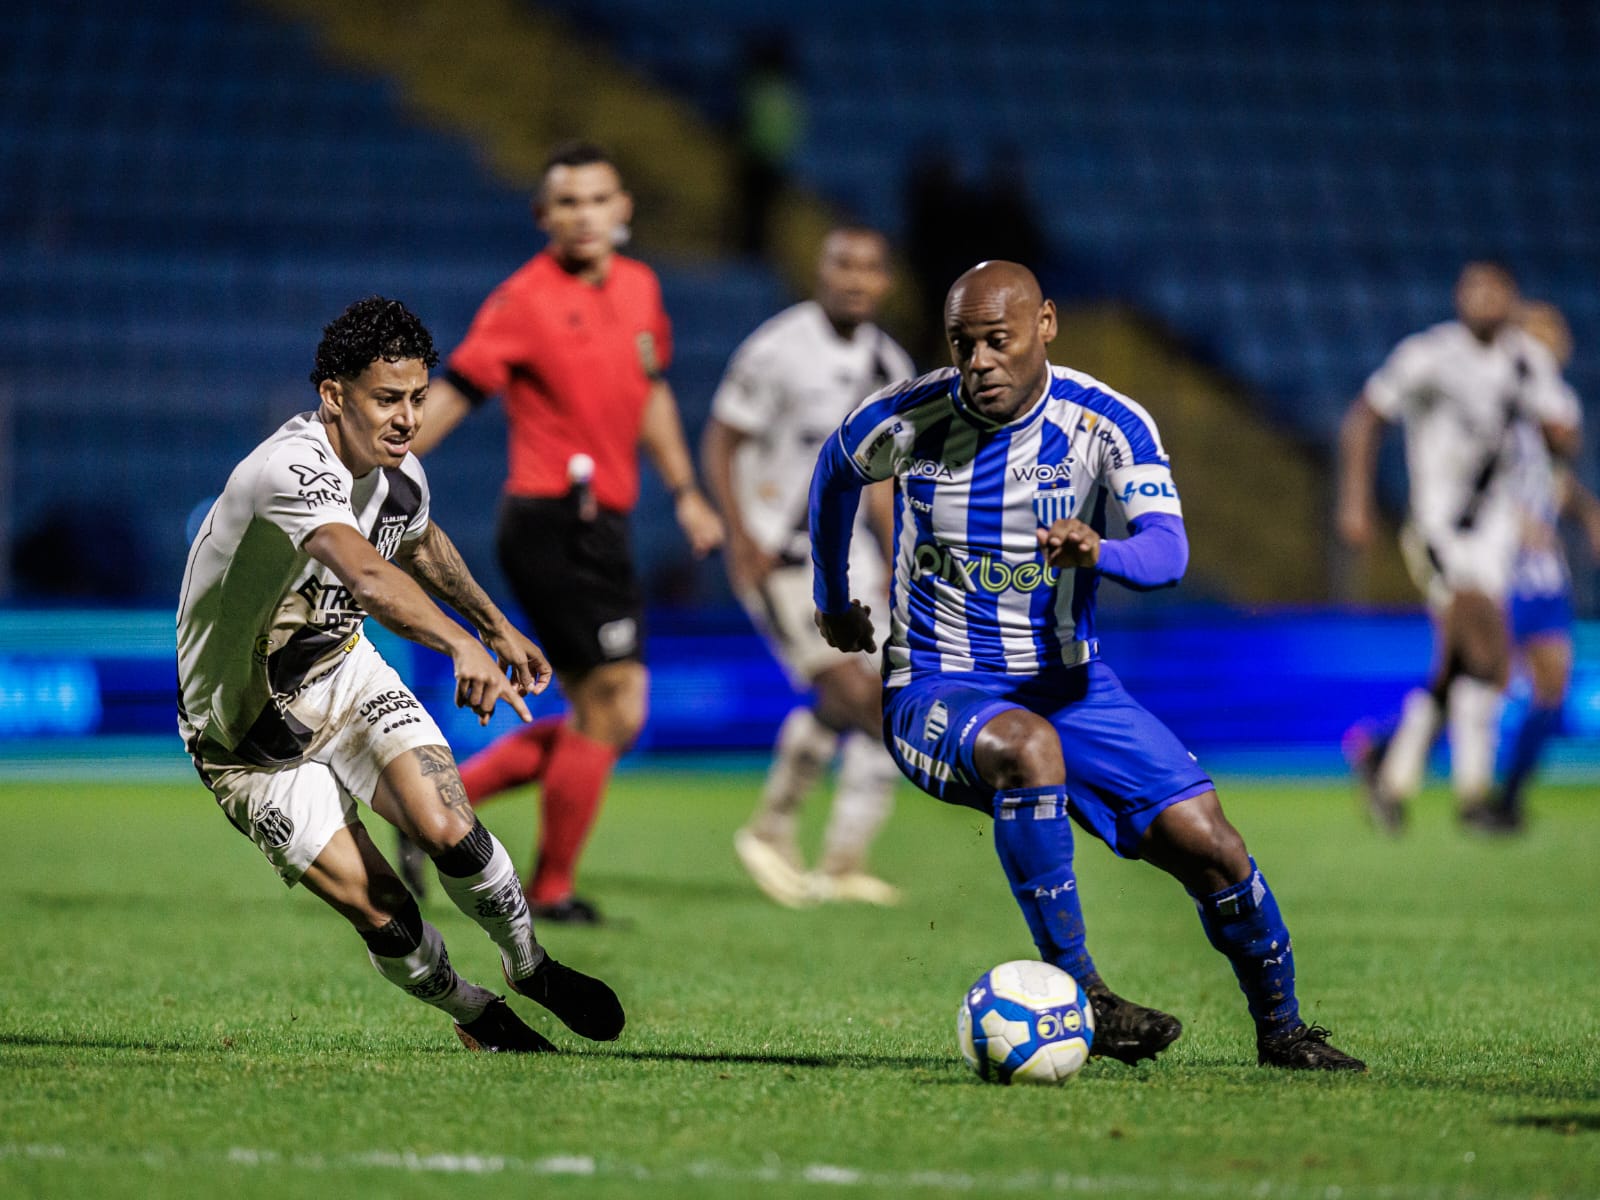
426	973
801	754
1400	773
492	897
862	800
1474	738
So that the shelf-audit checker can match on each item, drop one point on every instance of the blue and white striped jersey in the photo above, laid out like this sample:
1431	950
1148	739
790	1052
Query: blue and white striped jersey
971	591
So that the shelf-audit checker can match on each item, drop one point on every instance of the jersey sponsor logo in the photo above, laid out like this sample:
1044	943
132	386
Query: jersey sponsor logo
1060	472
311	477
330	604
1054	504
927	468
885	435
981	573
1105	434
1149	491
938	721
274	826
387	703
319	487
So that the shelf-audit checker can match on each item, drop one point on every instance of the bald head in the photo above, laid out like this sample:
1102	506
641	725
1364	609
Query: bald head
996	282
999	327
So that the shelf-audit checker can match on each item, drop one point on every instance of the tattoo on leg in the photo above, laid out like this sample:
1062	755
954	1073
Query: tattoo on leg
438	765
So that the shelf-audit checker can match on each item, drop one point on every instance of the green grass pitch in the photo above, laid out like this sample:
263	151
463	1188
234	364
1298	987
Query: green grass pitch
174	1023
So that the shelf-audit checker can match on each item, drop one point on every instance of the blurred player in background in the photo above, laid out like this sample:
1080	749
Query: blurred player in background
1541	589
786	389
995	694
292	717
576	340
1464	390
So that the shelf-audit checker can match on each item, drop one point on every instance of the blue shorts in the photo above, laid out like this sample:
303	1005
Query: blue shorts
1123	765
1540	615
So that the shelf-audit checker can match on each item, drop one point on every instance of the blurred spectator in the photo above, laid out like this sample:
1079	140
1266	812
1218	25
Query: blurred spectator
771	123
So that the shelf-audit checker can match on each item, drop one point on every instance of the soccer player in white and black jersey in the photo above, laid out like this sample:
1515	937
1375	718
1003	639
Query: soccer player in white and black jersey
995	695
294	720
1467	392
786	389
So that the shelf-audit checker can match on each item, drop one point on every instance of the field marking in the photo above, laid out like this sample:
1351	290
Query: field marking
824	1176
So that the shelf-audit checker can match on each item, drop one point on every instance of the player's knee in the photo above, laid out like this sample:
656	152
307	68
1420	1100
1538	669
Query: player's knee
1018	749
1549	669
612	707
626	715
439	827
1196	843
1549	688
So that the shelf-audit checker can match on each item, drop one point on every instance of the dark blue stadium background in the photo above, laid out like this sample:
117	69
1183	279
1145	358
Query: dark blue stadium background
190	190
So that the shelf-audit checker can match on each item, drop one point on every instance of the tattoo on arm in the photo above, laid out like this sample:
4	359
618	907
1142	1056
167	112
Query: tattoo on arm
438	765
437	565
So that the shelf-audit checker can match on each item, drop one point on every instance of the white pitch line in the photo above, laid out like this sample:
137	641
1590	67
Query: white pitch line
820	1175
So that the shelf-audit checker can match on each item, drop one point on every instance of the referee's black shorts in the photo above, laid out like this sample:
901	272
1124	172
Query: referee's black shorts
574	580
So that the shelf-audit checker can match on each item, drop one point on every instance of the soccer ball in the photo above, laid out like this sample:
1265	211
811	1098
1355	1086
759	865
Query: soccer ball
1025	1022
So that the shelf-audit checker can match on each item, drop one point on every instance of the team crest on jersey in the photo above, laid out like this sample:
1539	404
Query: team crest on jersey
389	534
938	721
1054	504
276	829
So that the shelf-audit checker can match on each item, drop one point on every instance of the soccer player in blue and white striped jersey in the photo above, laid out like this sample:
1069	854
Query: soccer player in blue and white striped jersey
1005	468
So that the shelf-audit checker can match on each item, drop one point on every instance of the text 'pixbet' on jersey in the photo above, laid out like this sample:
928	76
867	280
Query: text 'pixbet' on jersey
979	572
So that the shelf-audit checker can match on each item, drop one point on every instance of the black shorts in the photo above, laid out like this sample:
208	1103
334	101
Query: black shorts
574	580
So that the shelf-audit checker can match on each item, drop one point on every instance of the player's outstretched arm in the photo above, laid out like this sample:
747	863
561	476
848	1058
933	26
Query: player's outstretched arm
1359	435
433	561
400	604
835	496
747	563
661	435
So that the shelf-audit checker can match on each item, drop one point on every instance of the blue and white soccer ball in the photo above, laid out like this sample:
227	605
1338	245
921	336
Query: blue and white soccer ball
1025	1022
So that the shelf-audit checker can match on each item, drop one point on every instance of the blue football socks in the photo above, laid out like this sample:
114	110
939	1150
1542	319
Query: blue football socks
1537	728
1243	922
1033	836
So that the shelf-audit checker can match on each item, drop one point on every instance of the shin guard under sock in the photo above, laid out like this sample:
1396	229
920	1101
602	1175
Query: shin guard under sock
1033	836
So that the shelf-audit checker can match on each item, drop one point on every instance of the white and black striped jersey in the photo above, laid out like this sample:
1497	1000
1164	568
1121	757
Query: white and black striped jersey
259	618
1462	402
787	387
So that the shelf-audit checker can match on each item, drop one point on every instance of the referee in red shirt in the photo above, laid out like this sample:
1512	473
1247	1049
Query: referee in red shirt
576	341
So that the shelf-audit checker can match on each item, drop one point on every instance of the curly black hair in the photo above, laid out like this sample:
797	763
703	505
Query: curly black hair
368	330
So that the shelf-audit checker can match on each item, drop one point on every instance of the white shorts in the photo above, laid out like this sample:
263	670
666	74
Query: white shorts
783	610
369	719
1444	562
